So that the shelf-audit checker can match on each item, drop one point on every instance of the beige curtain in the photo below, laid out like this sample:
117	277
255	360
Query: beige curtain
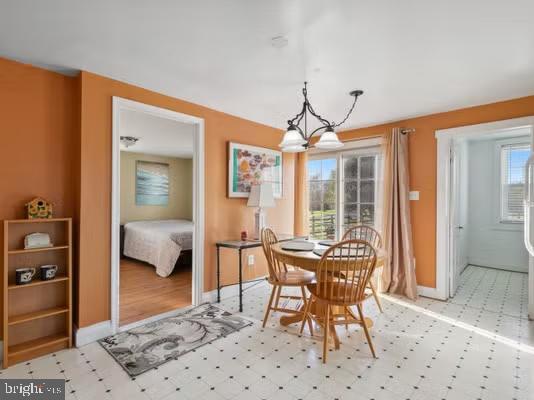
301	194
398	275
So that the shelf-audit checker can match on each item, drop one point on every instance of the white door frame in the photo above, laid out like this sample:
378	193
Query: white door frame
443	191
120	104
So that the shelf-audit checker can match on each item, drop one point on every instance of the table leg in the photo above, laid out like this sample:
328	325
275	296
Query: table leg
218	276
240	282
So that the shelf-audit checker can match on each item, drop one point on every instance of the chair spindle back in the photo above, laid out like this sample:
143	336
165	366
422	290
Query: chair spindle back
268	238
344	271
364	232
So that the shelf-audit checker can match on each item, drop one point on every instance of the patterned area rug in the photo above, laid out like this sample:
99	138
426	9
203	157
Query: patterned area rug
141	349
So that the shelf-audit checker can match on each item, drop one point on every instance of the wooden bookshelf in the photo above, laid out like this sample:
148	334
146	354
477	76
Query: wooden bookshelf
37	316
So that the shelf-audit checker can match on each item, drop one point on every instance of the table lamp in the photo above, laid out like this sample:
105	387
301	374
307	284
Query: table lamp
261	196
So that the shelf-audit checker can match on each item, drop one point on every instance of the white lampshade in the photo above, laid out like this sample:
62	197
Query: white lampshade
294	149
328	140
292	138
261	196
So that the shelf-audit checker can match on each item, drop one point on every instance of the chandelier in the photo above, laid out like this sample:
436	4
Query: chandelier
297	138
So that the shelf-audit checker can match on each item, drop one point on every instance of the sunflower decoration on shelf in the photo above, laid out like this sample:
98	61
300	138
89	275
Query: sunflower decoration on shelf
39	208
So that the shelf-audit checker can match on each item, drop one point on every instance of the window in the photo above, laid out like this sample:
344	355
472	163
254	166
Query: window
513	159
322	188
343	191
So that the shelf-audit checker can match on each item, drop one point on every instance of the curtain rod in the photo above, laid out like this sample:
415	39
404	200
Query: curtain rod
407	130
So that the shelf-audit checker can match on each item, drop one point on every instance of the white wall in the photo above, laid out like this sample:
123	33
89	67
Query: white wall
490	243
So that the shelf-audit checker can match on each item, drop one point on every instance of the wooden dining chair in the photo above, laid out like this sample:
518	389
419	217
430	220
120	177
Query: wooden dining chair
280	276
342	276
371	235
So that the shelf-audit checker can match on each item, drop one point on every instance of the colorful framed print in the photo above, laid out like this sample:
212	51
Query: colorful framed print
151	183
250	165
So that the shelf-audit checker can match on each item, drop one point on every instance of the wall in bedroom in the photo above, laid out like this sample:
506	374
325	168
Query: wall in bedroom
224	217
180	189
423	154
39	129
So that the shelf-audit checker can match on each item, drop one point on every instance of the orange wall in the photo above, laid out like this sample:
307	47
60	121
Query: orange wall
423	153
38	120
224	217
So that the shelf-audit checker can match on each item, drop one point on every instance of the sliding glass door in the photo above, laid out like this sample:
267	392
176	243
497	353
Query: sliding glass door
344	189
359	182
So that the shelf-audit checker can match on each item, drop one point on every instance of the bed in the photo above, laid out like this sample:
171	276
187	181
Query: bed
158	242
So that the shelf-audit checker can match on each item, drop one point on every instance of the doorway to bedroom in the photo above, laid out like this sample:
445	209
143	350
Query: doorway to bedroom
155	265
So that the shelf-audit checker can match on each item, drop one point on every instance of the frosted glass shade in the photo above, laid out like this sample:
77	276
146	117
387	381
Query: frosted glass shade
328	140
294	149
292	138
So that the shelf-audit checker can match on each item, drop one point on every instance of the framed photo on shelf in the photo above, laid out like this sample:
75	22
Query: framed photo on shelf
250	165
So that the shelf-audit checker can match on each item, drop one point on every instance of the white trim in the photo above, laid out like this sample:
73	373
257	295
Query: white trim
432	293
349	145
120	104
443	190
92	333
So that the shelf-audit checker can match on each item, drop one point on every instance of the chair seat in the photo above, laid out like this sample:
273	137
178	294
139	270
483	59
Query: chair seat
335	293
294	278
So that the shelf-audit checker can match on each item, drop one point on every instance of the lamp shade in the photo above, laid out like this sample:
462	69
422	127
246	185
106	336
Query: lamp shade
328	140
292	138
261	196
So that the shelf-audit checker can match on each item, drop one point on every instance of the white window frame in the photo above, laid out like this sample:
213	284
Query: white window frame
362	147
498	162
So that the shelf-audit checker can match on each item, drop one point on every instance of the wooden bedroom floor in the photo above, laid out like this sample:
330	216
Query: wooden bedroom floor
144	294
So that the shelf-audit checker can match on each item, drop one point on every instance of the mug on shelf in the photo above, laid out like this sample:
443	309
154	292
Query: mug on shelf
24	275
48	272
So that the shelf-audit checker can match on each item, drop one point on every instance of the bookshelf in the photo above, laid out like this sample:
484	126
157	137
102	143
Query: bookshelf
37	316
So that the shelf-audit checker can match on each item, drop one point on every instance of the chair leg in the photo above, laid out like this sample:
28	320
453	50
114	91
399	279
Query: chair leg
268	309
326	332
306	316
278	293
365	329
375	295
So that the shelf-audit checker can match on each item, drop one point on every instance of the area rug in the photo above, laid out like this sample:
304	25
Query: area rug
141	349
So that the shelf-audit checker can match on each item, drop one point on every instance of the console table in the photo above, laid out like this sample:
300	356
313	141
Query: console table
240	246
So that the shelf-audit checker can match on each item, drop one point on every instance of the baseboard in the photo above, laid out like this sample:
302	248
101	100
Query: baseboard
508	268
1	351
226	292
432	293
92	333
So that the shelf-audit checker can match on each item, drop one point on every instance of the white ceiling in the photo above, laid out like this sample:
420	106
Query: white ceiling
412	57
157	135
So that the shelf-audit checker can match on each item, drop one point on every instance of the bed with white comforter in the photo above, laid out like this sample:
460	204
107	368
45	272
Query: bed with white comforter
158	242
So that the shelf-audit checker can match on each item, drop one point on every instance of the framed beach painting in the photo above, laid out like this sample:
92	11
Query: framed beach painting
250	165
151	183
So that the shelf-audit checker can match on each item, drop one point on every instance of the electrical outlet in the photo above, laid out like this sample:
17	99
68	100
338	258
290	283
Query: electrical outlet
251	259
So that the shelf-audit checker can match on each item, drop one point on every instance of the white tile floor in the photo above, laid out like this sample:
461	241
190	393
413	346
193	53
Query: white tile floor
480	345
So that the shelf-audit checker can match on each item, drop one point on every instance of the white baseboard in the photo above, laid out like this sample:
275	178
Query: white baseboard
92	333
432	293
226	292
485	264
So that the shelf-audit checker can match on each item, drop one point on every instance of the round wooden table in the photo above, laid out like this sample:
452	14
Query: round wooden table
309	261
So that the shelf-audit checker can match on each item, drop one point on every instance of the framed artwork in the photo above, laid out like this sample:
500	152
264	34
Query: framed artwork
151	183
249	165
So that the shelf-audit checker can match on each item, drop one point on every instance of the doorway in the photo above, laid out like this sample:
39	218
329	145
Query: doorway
480	227
157	213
